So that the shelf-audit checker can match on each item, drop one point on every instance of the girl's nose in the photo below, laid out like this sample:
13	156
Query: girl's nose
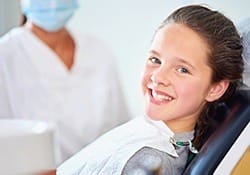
160	78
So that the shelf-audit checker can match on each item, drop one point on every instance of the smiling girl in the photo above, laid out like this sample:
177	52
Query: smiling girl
194	63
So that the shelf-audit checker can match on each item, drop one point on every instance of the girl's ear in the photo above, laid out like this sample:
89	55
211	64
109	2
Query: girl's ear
217	90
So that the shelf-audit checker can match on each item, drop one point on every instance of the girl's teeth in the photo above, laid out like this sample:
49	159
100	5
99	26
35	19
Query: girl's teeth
161	97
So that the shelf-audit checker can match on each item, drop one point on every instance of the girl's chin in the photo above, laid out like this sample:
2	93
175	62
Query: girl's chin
154	117
153	112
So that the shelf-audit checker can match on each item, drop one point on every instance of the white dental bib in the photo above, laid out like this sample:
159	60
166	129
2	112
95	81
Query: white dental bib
109	153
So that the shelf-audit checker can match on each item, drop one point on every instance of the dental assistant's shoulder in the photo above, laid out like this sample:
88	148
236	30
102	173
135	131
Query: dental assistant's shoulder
93	46
10	40
13	34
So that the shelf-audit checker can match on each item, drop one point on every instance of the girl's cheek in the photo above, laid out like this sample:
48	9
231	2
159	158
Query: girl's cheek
144	81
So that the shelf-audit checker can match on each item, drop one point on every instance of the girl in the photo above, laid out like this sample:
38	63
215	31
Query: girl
194	63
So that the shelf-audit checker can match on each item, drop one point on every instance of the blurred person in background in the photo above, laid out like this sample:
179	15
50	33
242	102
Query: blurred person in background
52	73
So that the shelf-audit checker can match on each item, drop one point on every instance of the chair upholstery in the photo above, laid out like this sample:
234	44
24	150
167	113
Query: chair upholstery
236	117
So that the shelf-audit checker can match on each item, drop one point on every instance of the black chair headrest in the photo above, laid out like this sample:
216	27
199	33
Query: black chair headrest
237	116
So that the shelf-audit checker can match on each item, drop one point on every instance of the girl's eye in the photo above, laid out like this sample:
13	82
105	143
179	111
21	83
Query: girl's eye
155	60
182	70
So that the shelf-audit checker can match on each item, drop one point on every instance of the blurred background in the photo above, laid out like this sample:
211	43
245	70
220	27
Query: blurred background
127	26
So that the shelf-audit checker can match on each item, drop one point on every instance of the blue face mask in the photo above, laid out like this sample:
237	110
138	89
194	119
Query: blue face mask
50	15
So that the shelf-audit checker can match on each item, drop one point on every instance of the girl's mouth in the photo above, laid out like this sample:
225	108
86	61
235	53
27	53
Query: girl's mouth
158	97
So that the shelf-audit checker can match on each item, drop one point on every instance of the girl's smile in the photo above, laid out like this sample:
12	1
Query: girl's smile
158	97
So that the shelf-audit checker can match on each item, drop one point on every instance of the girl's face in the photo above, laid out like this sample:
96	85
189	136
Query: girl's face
177	79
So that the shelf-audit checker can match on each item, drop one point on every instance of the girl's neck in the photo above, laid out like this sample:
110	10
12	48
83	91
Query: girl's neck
180	126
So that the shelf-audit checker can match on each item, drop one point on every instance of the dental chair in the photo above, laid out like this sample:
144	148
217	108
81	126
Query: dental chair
226	145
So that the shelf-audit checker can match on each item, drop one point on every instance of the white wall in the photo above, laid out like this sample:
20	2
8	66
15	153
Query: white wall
9	15
128	25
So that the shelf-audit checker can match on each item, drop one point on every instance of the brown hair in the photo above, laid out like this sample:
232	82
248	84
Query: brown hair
224	57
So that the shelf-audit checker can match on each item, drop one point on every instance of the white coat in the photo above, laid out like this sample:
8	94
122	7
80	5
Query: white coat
82	103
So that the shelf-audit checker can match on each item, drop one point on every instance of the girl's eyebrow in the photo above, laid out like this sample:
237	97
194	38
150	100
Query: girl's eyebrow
155	52
181	60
